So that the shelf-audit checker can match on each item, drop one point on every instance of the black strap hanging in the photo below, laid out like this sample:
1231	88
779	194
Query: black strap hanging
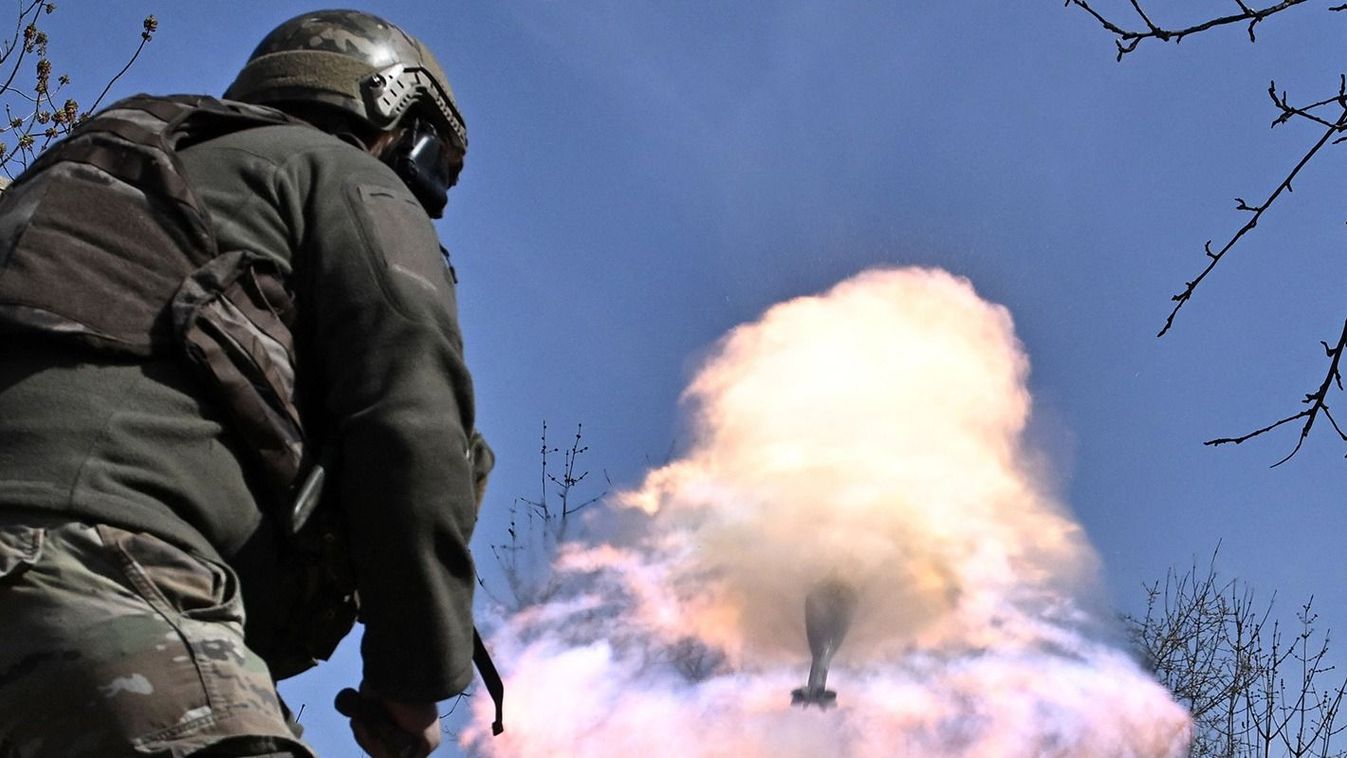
491	678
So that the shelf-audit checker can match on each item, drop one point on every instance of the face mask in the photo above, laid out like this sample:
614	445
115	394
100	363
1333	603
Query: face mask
422	161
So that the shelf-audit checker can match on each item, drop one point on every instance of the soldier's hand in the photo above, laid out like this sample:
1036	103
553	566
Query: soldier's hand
387	728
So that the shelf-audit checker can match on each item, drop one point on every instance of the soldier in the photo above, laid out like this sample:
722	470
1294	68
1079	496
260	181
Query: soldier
231	376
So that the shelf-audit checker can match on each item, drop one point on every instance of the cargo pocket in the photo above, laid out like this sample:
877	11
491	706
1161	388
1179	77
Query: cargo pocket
176	582
20	547
200	600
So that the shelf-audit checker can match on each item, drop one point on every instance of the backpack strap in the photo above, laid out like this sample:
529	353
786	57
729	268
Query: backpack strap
97	235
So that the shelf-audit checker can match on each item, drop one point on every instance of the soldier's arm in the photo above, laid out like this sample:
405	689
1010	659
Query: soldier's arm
381	332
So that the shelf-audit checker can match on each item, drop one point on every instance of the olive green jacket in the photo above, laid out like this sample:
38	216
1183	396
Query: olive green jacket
382	384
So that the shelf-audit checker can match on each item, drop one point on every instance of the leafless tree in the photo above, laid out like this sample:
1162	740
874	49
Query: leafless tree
1325	116
539	526
1254	686
33	117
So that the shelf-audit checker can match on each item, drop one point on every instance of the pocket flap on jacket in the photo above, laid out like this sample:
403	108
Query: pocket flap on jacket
20	547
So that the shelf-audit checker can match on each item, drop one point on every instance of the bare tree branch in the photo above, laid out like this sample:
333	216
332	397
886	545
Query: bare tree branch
538	527
1333	125
1317	402
151	25
1339	124
1127	39
1289	111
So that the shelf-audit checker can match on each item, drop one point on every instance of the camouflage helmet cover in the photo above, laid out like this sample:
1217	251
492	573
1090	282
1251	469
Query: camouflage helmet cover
355	61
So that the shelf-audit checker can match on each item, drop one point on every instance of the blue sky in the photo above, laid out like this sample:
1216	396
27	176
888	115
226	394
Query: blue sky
644	176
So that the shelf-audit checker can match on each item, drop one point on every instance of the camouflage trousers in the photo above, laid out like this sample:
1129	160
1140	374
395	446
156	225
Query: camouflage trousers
117	643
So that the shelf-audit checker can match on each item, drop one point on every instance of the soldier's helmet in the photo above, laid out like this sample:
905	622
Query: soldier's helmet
354	61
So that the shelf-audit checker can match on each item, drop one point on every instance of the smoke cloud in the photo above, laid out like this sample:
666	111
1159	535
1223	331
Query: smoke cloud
874	435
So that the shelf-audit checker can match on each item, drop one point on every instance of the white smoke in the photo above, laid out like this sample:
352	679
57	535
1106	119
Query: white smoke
872	434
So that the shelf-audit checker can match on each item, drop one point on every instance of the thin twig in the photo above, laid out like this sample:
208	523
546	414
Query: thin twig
1127	40
150	25
1257	213
23	48
1289	111
1317	402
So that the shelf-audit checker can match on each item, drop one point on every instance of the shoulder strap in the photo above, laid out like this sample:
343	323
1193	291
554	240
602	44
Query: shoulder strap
98	233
